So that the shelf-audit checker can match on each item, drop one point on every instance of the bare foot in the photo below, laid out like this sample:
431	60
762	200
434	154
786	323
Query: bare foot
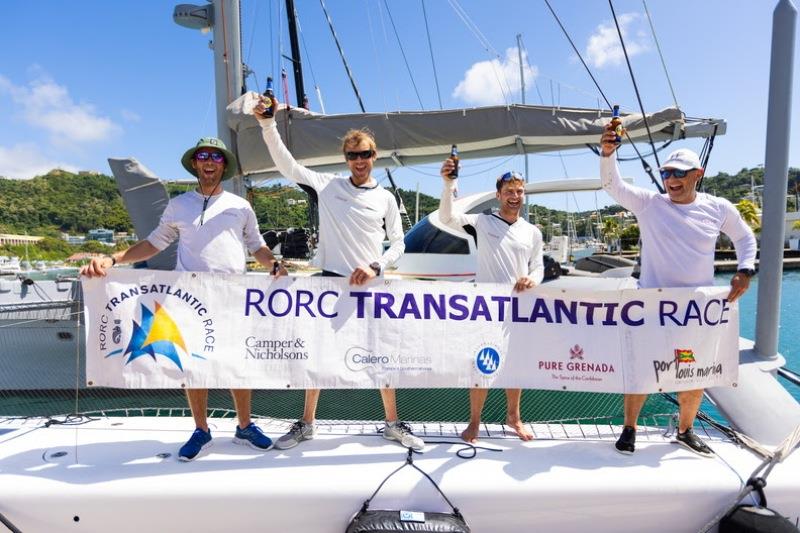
471	433
519	429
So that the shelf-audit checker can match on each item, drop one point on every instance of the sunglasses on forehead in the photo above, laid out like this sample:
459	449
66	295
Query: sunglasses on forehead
365	154
508	176
674	172
216	157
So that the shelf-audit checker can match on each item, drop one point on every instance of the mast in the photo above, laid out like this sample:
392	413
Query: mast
222	16
527	214
776	168
295	59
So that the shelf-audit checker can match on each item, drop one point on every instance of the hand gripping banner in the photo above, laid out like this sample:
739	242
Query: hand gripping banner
155	329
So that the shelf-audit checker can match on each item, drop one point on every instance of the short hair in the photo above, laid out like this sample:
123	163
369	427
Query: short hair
509	177
354	137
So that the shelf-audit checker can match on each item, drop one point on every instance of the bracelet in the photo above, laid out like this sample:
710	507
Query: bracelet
113	261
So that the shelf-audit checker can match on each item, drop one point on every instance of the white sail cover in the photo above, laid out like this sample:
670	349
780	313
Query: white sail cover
416	137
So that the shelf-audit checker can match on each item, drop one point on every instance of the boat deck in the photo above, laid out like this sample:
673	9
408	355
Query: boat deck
122	473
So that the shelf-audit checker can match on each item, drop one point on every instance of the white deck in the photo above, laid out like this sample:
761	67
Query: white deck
108	474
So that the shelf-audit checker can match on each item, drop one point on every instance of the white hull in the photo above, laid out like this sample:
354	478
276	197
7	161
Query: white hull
107	474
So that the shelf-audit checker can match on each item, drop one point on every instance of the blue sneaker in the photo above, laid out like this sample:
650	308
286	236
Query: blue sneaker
252	436
199	441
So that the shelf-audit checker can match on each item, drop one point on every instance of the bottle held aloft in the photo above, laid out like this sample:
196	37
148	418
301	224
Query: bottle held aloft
616	122
270	102
454	158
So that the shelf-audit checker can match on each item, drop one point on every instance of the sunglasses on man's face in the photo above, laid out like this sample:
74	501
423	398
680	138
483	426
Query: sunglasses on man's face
674	172
216	157
365	154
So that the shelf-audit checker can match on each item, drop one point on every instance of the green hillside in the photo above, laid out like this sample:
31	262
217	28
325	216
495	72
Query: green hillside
75	203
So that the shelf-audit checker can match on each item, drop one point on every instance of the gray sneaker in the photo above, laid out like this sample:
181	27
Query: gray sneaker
299	432
400	431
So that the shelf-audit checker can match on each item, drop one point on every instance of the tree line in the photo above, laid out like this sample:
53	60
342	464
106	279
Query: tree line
68	202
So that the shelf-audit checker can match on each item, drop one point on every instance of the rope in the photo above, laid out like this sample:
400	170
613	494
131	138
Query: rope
430	49
660	55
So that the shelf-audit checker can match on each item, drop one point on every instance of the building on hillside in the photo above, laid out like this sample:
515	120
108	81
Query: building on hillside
9	239
101	234
73	239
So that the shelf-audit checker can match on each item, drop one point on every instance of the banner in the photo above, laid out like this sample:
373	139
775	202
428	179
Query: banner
155	329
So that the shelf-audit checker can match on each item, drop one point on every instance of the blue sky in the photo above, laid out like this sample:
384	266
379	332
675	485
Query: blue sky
87	80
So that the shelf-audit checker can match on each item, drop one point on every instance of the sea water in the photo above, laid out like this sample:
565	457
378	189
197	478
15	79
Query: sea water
789	328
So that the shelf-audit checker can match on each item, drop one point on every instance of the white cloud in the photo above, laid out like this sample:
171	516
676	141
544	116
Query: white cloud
47	105
495	81
604	48
24	161
130	116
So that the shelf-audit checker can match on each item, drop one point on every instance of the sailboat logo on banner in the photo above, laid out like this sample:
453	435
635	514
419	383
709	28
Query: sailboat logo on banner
158	334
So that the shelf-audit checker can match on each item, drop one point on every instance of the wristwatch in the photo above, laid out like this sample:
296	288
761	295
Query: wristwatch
749	272
376	267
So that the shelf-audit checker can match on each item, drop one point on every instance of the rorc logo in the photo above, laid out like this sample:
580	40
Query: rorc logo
158	334
487	360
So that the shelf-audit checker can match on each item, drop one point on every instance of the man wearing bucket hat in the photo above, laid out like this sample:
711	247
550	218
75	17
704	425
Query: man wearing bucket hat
509	251
684	225
356	213
213	227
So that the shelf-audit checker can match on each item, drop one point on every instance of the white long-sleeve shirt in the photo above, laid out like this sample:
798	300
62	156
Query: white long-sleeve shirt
229	225
351	218
506	252
678	240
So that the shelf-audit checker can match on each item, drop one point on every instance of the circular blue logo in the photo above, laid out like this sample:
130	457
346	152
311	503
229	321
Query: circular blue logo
487	360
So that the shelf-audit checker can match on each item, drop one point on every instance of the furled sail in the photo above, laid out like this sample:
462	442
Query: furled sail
416	137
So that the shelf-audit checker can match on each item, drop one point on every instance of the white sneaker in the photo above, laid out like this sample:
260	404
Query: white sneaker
299	432
400	431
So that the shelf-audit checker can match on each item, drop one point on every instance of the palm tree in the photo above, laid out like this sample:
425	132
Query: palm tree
750	214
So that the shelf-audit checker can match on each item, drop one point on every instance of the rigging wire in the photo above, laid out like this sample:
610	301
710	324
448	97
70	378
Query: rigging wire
341	54
660	55
430	49
528	63
471	26
378	63
645	164
271	40
633	80
308	61
403	52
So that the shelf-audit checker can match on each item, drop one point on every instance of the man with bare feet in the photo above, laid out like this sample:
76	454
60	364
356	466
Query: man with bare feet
509	251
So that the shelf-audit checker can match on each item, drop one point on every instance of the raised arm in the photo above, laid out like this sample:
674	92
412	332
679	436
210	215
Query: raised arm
282	157
628	196
447	216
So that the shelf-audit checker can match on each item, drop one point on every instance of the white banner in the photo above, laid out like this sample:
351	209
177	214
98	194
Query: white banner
154	329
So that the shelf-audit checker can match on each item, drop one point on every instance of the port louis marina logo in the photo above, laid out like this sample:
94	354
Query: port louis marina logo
573	367
153	332
684	367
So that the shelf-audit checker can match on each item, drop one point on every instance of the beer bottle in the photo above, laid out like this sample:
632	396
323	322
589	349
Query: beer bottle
454	158
617	123
272	102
